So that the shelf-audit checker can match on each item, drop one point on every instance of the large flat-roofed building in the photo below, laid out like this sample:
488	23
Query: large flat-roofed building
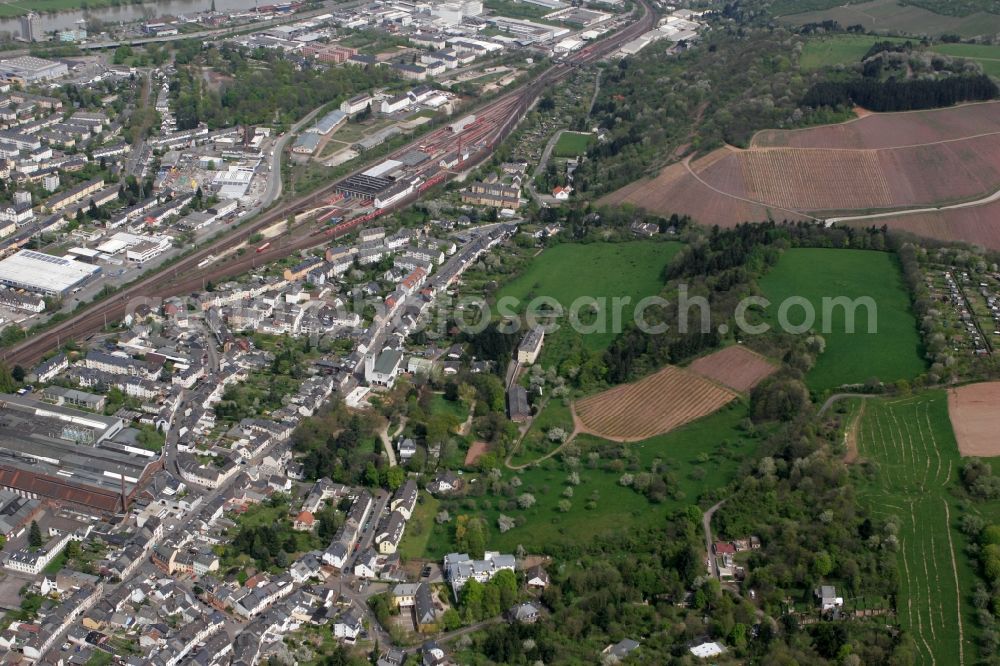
44	273
64	454
362	186
30	68
528	31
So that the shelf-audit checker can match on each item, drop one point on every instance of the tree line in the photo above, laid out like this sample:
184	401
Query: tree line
895	95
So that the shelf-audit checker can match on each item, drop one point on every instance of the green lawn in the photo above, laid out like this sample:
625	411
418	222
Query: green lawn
569	271
572	144
535	443
419	528
892	353
910	445
456	408
700	458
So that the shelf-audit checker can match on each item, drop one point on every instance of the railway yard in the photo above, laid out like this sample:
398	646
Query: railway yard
475	142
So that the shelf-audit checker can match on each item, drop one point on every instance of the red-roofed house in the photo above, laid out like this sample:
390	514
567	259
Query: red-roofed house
304	522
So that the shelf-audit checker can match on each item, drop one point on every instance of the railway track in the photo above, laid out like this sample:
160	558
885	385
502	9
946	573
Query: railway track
185	276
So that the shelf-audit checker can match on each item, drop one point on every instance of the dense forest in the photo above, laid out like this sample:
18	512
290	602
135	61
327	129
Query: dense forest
893	95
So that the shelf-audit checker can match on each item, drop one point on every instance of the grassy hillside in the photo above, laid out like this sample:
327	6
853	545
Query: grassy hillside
918	17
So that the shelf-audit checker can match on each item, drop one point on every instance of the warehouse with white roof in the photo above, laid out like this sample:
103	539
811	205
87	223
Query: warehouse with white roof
44	273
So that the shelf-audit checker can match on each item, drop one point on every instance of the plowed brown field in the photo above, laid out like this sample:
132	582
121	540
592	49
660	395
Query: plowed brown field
651	406
975	417
979	225
876	163
811	179
890	130
736	367
674	190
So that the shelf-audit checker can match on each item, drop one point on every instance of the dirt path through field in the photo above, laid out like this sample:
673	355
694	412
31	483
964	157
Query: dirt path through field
577	429
851	435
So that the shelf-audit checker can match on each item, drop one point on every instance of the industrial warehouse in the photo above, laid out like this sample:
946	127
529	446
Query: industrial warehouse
65	454
44	273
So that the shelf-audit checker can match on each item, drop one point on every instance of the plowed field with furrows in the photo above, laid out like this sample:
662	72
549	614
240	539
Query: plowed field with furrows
651	406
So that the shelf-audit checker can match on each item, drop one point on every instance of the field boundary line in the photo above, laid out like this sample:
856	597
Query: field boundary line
902	478
927	586
934	444
937	580
906	146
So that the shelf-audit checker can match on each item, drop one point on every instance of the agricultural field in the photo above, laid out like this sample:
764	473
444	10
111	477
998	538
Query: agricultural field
976	418
572	144
971	224
892	353
632	269
683	188
886	16
815	179
876	164
908	460
656	404
891	130
735	367
699	459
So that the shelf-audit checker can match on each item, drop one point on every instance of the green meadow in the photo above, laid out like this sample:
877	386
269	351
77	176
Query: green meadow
892	352
568	271
912	460
699	460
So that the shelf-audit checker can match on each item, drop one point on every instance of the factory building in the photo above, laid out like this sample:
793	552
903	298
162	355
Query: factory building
29	69
363	187
306	144
67	455
44	273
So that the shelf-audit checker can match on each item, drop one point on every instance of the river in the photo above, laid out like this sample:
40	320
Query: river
126	13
